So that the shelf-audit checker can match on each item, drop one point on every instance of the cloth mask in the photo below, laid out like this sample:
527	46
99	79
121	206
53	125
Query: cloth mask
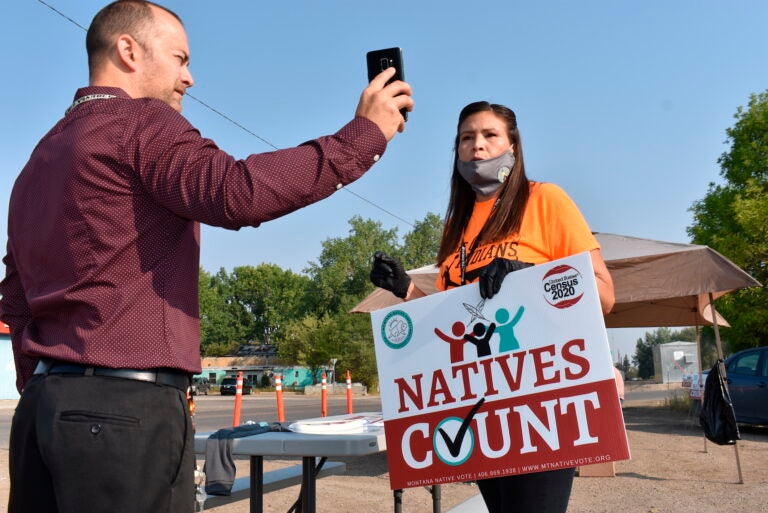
486	176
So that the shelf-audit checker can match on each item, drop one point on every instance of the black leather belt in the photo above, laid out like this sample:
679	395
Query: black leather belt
169	377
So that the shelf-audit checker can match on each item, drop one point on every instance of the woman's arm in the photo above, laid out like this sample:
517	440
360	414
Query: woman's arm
604	281
414	292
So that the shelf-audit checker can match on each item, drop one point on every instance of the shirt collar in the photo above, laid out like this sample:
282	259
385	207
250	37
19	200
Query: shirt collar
115	91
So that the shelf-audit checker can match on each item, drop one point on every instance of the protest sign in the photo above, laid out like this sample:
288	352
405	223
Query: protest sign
522	382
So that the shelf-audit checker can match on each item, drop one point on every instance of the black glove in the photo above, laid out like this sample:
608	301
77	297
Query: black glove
493	274
388	273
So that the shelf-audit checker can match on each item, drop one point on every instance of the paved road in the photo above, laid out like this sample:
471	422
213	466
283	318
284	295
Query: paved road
215	411
652	395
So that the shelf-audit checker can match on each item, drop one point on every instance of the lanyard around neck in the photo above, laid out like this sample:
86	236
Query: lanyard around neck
87	98
463	247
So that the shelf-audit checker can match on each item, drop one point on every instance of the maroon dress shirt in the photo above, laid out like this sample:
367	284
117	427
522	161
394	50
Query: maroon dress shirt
103	235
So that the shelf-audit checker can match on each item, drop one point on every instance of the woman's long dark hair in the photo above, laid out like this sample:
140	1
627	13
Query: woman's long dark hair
507	217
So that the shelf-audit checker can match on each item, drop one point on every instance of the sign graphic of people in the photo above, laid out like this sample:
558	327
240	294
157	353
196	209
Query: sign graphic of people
481	333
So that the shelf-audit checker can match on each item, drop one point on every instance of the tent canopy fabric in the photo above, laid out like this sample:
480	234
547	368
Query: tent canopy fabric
656	283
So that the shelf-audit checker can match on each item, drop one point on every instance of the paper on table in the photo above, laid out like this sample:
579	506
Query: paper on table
320	427
340	424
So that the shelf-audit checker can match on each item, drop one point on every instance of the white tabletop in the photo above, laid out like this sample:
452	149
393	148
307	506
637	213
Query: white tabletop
287	443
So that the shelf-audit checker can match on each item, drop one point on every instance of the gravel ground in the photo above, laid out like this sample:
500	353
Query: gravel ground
672	470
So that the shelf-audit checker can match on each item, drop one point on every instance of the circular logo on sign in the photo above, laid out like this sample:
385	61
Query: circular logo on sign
396	329
453	441
563	286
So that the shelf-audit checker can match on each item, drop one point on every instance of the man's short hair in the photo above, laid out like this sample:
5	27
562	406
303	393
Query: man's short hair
133	17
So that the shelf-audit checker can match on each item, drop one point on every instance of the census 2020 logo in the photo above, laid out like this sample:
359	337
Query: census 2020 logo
563	286
396	329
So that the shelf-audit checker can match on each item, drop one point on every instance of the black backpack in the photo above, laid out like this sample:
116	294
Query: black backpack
717	416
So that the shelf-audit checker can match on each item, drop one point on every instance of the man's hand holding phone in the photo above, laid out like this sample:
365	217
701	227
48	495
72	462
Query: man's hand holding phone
382	102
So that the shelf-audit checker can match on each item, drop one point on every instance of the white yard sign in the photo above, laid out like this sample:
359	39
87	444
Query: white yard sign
519	383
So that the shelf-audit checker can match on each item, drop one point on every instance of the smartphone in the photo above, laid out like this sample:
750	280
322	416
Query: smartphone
379	60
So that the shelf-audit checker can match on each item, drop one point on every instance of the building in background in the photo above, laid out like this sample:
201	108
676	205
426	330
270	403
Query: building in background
8	376
673	361
258	365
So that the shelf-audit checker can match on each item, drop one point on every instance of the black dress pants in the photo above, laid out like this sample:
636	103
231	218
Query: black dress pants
92	444
540	492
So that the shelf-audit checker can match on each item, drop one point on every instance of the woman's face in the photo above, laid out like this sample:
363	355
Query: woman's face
483	136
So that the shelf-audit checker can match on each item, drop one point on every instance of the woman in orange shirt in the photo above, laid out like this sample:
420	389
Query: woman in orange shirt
498	221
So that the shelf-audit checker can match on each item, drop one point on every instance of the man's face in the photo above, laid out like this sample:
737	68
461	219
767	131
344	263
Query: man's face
165	74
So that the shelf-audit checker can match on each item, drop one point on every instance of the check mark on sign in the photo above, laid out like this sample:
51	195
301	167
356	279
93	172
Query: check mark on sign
454	445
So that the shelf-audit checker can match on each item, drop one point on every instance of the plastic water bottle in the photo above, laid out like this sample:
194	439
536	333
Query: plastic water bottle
200	494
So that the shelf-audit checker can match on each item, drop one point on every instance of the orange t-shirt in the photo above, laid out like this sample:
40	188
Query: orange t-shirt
552	228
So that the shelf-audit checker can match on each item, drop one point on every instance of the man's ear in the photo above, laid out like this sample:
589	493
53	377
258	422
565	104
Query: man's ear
129	52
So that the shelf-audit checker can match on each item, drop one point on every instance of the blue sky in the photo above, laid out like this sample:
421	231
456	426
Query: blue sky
623	104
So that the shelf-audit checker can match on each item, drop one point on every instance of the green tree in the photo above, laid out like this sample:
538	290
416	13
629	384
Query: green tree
249	304
732	218
313	341
420	245
339	280
219	334
685	335
306	315
351	342
340	277
264	298
625	366
293	343
643	358
302	341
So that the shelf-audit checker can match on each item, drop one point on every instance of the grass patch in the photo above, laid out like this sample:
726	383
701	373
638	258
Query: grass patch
680	401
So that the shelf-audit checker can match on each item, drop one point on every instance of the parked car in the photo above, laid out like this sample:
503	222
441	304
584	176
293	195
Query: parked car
229	386
747	377
200	386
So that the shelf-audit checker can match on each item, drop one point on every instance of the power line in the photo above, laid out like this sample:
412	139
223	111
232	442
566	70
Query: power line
380	208
275	147
63	15
212	109
201	102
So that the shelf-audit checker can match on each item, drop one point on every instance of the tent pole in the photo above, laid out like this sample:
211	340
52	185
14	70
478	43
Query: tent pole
716	327
700	384
738	461
720	356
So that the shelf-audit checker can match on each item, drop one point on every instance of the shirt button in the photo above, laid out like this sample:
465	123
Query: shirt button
376	158
338	186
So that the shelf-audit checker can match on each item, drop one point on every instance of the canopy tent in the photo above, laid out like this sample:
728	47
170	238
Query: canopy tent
656	283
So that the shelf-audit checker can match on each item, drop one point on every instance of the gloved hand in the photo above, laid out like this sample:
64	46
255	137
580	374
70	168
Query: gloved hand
388	273
493	274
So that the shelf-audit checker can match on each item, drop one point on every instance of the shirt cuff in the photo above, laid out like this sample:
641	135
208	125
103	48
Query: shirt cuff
366	137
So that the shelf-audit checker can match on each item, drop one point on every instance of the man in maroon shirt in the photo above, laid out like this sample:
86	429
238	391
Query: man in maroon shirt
100	290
